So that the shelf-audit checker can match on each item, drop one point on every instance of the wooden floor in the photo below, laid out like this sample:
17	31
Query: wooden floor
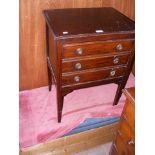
70	145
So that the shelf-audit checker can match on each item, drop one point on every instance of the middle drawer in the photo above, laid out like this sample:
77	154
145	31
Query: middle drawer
70	65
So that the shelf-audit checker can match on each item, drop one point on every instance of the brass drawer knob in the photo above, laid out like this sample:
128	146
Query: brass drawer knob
119	47
116	60
76	78
79	51
112	73
78	66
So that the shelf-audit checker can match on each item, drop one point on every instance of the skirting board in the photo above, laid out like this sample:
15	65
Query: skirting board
74	143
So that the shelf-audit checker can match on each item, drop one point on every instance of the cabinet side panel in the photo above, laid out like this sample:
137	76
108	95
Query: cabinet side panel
53	54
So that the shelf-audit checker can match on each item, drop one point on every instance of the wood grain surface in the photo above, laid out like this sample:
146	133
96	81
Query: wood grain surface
33	67
124	141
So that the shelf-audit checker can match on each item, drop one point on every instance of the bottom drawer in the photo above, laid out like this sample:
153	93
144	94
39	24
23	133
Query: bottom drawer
92	75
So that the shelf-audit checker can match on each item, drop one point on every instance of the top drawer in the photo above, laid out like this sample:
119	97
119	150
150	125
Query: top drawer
100	47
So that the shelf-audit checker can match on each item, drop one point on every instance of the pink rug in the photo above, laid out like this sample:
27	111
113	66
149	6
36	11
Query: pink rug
38	113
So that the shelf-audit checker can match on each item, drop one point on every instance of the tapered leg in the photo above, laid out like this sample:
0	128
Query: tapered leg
122	84
119	92
47	55
49	78
60	100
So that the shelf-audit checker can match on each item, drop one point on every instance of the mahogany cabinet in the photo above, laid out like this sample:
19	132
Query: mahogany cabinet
87	47
124	143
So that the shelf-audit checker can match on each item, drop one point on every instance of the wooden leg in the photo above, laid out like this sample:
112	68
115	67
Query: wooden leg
121	86
60	100
47	54
49	78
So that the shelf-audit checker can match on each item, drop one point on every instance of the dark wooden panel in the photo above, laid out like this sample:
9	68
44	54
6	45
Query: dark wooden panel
33	67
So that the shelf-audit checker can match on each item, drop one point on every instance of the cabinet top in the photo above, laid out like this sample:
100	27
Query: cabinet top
87	21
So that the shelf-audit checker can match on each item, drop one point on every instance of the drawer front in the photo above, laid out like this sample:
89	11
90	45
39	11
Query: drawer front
127	136
129	114
94	62
126	132
91	48
120	146
92	75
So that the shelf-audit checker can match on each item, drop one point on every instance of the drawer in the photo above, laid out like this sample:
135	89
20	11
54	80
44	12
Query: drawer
100	47
120	146
92	75
128	114
127	136
126	132
94	62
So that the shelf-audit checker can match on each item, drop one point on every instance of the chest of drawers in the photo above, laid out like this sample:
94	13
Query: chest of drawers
88	47
124	143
